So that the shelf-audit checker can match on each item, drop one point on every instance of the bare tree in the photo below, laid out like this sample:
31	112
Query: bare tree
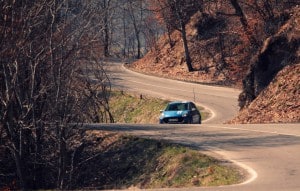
248	31
135	11
43	89
175	14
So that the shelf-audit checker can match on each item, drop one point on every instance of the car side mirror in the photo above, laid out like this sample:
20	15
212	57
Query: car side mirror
193	109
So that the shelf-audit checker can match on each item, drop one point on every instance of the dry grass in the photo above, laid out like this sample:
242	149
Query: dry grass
129	108
119	162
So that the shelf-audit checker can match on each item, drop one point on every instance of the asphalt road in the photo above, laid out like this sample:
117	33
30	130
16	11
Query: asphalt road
222	102
268	153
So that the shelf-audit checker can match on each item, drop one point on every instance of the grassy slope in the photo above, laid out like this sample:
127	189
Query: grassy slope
144	163
128	108
117	162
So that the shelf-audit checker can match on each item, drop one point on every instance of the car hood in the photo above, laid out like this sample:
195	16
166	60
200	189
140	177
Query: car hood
173	113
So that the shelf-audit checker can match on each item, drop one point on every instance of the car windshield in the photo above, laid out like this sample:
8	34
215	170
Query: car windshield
177	107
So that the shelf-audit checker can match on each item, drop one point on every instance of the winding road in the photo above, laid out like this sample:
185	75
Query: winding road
268	153
222	102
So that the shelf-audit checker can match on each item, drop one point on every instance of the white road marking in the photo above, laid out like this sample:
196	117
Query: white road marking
254	130
251	171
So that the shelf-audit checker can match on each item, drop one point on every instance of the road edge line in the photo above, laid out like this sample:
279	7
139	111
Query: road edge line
251	172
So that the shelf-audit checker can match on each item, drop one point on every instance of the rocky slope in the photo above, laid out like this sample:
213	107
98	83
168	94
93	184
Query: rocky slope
271	90
278	103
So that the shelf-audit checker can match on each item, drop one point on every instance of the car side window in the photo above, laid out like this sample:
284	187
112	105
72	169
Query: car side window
193	106
182	106
186	106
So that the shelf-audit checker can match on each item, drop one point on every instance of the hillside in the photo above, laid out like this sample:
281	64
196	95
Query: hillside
278	103
220	47
271	89
169	62
228	60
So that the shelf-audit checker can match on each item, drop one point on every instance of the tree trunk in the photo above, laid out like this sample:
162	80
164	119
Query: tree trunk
61	157
124	35
188	59
239	12
106	37
180	18
19	169
171	43
137	35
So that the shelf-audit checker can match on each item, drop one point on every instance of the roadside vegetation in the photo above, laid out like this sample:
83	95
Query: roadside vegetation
114	161
106	160
179	166
134	108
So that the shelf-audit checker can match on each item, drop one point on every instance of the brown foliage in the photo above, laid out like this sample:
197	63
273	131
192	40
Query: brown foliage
220	45
43	48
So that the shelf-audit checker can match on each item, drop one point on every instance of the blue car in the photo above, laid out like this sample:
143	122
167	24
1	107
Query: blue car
180	112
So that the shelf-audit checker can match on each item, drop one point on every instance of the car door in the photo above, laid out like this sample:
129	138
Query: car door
195	113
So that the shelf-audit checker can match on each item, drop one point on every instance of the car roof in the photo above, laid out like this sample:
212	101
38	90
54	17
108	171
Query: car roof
172	102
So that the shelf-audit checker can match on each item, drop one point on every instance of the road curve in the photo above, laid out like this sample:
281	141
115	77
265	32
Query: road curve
222	102
269	153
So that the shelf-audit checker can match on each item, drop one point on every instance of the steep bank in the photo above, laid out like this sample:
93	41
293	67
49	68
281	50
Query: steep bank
278	103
